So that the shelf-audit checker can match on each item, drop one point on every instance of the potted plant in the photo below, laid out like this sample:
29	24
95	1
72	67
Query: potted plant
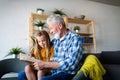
58	11
15	51
39	24
76	28
40	10
82	17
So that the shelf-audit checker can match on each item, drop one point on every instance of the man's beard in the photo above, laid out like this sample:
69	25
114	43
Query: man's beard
57	35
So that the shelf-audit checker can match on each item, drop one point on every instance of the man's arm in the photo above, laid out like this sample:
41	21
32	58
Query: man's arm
42	65
53	65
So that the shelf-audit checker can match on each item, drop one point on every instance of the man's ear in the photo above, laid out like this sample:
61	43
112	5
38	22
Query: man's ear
60	25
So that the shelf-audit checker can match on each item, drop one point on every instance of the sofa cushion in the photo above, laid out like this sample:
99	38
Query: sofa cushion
110	57
113	71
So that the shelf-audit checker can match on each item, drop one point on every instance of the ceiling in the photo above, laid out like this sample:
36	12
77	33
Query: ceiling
110	2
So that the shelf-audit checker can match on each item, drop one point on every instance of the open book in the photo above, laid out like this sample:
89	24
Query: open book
24	57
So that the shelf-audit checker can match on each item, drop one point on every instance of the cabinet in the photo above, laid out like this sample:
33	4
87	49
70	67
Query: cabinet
88	33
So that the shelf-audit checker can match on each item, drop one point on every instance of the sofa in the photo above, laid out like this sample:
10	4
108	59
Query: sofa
110	61
11	66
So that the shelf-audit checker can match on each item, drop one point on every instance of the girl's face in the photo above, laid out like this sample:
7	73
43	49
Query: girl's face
41	41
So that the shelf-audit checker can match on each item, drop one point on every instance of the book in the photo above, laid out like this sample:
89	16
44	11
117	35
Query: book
27	58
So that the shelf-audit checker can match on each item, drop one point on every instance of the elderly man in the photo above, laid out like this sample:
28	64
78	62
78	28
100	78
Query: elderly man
67	51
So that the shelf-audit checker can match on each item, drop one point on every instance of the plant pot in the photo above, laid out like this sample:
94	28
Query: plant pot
82	17
40	12
76	31
40	28
15	56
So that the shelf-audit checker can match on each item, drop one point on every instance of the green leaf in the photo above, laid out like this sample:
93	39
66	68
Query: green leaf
40	9
39	23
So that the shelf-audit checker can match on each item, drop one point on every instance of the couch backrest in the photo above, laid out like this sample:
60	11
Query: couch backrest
110	57
106	57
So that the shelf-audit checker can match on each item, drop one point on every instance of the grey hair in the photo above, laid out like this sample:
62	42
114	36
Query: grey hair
56	18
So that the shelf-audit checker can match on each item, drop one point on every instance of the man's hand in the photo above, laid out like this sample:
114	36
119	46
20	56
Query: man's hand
39	65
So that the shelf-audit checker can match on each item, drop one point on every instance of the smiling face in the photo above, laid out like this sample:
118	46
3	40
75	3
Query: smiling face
55	29
41	41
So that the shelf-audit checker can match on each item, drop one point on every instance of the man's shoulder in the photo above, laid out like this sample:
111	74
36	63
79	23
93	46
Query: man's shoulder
73	34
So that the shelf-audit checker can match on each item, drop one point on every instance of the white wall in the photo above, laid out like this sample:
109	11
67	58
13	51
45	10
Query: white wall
14	21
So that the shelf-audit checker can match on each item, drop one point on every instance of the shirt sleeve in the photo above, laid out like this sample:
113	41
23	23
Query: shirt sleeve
74	54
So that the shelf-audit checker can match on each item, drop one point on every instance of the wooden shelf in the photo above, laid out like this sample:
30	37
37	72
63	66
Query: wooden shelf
87	44
84	34
79	21
39	16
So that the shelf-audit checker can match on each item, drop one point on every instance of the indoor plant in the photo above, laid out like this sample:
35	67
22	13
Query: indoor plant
39	24
40	10
76	28
15	51
58	11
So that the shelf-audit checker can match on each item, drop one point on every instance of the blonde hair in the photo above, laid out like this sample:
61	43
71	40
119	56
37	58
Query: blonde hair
48	45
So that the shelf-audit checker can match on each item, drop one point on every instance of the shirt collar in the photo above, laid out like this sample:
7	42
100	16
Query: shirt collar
64	35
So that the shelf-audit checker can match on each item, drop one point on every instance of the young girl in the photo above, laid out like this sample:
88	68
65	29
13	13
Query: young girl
43	50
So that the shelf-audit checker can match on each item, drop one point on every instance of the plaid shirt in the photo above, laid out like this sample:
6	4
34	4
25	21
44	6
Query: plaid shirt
68	53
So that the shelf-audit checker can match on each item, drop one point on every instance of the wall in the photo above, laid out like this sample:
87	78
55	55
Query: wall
14	21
